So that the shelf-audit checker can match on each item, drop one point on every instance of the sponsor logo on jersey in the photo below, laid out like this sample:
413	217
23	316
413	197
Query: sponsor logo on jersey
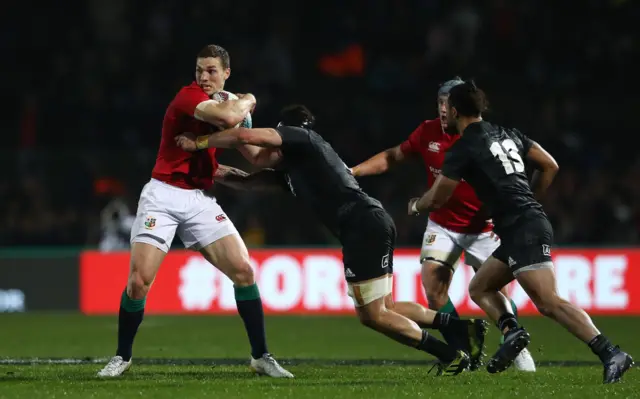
434	170
434	146
221	218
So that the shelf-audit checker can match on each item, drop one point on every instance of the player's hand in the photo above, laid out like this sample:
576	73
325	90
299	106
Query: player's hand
412	203
187	141
249	97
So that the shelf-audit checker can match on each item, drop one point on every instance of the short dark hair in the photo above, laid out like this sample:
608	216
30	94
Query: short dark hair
468	99
297	115
215	51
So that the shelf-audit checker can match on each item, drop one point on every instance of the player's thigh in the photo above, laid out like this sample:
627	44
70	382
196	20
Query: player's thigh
478	248
527	246
367	253
157	216
540	286
492	275
367	291
152	233
143	267
436	277
439	246
205	223
229	254
370	313
209	231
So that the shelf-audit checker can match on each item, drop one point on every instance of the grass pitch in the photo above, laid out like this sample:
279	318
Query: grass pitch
57	355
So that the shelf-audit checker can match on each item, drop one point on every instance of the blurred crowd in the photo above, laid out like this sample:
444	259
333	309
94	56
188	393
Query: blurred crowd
91	81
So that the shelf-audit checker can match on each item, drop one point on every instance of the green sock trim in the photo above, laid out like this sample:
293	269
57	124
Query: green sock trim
131	305
247	293
448	308
514	308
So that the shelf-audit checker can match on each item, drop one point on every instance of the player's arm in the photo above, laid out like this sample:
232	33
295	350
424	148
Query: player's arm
379	163
266	179
258	146
546	169
385	160
261	157
435	198
232	138
227	113
455	162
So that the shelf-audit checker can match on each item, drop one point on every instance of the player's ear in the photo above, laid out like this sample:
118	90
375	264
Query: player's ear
454	112
227	73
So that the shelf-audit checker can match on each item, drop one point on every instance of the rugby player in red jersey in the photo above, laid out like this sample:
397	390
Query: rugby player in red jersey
176	200
459	226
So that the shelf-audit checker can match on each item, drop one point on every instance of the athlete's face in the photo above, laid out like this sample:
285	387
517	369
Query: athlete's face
443	113
210	75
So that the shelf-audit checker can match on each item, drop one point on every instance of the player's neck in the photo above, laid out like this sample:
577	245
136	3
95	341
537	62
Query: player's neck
466	121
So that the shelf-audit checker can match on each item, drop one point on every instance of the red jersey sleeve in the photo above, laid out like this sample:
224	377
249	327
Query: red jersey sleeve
188	99
413	144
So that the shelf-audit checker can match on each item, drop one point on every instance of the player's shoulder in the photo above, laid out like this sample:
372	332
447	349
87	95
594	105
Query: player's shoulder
293	135
431	128
483	131
191	91
296	131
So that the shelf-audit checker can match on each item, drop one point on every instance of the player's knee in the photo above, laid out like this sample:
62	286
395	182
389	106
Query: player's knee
547	306
138	285
145	261
476	290
372	314
435	279
242	274
370	318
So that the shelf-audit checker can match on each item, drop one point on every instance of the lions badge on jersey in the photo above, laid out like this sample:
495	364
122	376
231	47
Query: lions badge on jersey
150	223
430	239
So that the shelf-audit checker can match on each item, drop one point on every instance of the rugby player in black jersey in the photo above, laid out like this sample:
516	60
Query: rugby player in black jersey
491	159
316	175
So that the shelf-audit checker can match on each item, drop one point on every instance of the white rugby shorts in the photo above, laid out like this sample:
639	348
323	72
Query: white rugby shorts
164	209
446	246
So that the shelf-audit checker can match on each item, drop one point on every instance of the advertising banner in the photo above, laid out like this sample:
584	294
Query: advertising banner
28	284
310	281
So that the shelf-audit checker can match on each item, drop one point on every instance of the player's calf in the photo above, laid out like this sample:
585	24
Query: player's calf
230	256
373	313
540	285
436	279
145	262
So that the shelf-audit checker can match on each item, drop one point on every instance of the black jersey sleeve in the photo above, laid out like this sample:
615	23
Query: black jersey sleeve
457	160
527	143
294	137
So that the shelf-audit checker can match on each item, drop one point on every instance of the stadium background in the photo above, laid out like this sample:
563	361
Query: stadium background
88	83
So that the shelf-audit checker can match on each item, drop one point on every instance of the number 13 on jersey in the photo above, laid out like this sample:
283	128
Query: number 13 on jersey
511	162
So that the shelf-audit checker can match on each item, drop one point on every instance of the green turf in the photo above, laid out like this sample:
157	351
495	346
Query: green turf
319	338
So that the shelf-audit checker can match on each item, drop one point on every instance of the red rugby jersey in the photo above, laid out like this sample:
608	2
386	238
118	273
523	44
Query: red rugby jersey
190	170
460	213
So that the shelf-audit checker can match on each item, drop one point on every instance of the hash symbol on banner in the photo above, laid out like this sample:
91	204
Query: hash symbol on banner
197	287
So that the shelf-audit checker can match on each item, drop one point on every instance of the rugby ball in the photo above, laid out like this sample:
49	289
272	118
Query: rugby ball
224	95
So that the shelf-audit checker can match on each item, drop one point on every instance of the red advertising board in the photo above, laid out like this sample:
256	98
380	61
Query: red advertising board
310	281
